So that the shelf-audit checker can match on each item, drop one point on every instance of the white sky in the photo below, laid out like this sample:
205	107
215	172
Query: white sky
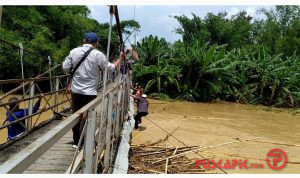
155	20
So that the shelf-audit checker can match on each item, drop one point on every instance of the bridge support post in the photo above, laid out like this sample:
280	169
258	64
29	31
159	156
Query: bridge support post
21	59
89	144
119	110
56	94
1	8
30	108
108	140
101	137
50	73
123	102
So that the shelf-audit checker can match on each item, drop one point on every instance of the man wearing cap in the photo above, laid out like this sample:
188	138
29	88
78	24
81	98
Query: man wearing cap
142	105
85	78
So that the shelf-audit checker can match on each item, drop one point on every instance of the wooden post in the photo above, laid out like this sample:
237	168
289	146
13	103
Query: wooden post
119	110
56	94
89	144
30	108
108	134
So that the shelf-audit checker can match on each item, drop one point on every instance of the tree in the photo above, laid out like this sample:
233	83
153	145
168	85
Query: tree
49	31
162	72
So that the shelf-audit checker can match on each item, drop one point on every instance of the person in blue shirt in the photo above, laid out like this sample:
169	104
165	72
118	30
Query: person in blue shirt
16	129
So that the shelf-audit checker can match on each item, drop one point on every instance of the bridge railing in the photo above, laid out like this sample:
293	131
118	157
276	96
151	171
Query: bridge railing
52	103
100	135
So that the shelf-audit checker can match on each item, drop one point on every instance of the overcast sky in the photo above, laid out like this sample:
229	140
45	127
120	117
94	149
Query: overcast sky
155	20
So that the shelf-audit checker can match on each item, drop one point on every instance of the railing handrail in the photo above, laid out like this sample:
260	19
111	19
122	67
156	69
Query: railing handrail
26	83
9	81
22	160
30	98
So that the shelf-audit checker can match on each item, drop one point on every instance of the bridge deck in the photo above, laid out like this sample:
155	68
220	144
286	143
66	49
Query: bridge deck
55	160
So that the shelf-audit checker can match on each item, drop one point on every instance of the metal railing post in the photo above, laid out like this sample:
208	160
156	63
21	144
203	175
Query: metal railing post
30	108
108	134
101	134
89	144
1	9
50	73
123	113
21	52
56	94
119	110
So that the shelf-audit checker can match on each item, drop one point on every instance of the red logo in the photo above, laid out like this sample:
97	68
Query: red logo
277	157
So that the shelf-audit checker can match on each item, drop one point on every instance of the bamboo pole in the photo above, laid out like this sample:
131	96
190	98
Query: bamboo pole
166	166
205	148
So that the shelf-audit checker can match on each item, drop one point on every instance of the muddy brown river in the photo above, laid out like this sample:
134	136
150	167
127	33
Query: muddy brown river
221	128
218	127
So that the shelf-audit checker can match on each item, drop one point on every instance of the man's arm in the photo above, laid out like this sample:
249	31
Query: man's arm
67	64
136	97
110	66
135	89
37	104
119	60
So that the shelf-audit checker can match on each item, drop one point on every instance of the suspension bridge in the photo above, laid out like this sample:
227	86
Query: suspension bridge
44	146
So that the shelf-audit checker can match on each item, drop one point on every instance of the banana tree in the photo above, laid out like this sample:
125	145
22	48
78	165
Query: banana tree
159	72
151	48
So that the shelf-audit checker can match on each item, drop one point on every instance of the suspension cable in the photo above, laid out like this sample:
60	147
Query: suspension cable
120	38
28	51
111	11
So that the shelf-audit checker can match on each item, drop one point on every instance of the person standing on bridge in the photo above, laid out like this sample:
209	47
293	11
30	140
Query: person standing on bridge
84	81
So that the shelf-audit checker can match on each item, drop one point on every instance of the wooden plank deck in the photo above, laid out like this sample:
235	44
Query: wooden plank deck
56	160
59	157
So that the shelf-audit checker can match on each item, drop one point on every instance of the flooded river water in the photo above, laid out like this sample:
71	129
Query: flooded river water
212	124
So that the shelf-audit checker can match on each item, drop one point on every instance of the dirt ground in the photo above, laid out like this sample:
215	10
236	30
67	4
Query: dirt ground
222	131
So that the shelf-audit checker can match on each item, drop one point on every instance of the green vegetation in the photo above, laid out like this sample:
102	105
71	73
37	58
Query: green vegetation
48	31
237	59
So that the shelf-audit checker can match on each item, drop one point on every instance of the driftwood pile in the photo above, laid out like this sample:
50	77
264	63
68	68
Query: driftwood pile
154	159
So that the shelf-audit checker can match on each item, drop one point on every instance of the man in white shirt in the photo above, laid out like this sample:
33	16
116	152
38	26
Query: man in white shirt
85	79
